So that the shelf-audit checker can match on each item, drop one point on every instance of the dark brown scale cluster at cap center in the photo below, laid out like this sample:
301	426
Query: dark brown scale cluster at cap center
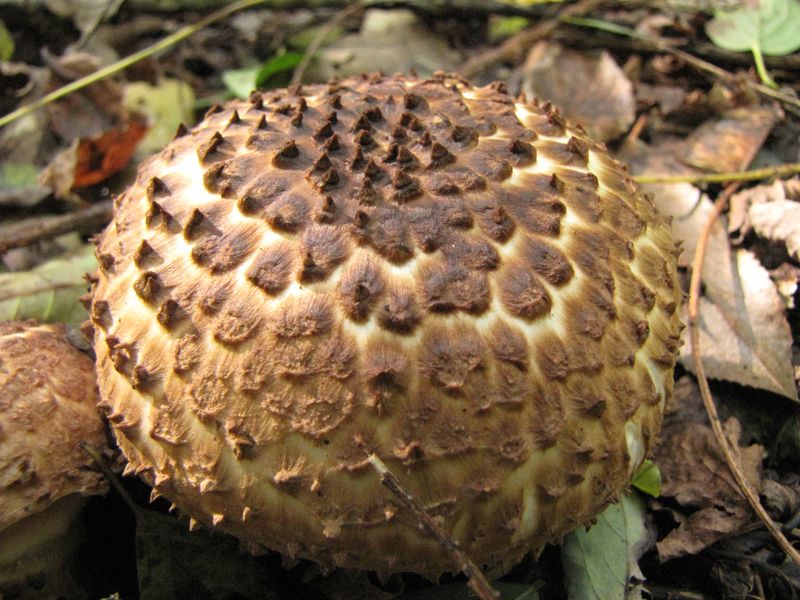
400	167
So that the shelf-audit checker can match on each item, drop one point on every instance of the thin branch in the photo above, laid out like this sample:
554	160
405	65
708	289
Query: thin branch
477	580
320	38
753	175
690	59
515	46
112	479
705	391
34	229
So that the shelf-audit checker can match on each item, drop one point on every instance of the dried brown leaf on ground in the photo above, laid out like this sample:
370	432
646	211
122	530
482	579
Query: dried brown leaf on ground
744	334
590	89
778	220
731	142
741	201
694	473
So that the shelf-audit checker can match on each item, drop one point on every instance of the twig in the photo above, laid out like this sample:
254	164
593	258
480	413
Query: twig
477	581
516	45
576	37
112	479
690	59
320	38
35	229
753	175
705	391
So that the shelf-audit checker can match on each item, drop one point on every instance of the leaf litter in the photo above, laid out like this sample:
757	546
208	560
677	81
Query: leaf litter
658	114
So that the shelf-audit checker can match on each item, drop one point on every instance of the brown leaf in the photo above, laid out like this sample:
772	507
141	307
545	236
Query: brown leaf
92	160
779	220
731	142
744	335
590	89
98	158
667	97
694	472
741	201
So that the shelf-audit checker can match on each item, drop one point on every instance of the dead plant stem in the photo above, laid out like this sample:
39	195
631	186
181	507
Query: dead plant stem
515	46
753	175
34	229
702	380
477	580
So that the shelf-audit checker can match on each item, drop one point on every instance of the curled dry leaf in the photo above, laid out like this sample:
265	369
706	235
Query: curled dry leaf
778	220
89	161
590	89
740	203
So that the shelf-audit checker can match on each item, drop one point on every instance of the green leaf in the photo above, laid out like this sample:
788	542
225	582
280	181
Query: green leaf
18	175
770	26
504	27
49	292
168	103
6	43
276	65
602	563
240	82
648	479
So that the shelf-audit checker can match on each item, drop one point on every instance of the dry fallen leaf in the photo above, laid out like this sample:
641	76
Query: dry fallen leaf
778	220
740	202
696	476
731	142
89	161
744	334
590	89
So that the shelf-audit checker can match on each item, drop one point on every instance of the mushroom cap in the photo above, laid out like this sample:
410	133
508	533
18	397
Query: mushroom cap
48	401
459	282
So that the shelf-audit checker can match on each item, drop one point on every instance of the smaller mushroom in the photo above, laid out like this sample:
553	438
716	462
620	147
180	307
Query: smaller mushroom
48	408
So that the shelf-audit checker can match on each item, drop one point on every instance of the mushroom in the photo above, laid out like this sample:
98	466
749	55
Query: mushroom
48	407
457	281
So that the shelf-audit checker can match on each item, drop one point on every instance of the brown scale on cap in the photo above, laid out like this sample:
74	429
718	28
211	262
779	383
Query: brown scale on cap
462	283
